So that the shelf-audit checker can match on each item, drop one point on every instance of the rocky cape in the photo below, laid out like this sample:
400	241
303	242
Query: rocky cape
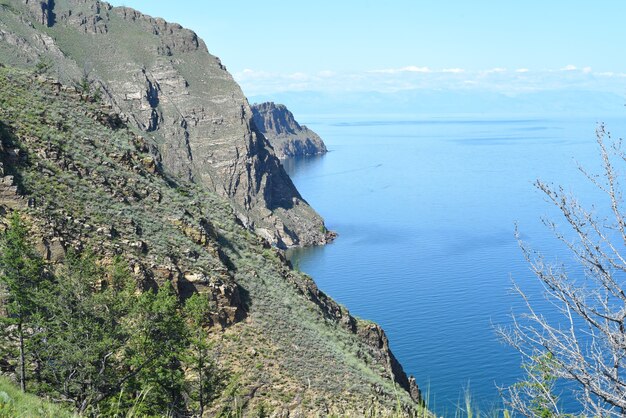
285	134
163	79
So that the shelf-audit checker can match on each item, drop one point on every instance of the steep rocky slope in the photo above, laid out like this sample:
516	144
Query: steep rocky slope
162	77
85	178
285	134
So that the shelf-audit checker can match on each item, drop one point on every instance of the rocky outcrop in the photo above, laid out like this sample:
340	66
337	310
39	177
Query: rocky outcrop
377	341
162	77
371	334
285	134
9	196
10	199
42	11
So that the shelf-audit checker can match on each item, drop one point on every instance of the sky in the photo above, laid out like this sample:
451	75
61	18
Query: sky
334	45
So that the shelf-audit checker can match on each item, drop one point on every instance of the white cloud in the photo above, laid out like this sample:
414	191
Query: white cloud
453	70
496	70
408	69
299	76
414	69
249	74
497	79
326	73
610	74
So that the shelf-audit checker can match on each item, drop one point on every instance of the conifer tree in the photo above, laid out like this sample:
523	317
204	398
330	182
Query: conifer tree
155	352
201	384
80	339
22	274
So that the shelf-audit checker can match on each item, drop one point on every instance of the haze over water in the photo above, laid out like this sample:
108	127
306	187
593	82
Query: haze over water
426	210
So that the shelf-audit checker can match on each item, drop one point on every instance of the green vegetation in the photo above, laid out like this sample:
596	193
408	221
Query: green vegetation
23	276
201	386
108	221
540	397
93	341
14	403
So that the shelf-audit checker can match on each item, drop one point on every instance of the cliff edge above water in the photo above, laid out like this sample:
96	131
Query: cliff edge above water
285	134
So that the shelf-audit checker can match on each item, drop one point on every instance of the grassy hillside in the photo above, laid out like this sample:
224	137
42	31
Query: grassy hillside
86	180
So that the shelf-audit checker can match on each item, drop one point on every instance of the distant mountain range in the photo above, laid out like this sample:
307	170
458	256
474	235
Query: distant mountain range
574	103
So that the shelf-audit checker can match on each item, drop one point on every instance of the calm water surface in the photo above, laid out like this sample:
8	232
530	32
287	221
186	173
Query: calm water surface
426	212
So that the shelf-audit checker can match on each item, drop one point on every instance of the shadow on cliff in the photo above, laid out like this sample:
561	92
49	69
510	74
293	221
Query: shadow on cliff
11	155
281	192
47	10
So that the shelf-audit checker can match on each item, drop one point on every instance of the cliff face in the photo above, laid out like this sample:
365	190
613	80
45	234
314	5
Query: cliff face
84	178
285	134
162	77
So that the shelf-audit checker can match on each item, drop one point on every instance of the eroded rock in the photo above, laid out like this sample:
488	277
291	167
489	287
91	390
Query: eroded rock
285	134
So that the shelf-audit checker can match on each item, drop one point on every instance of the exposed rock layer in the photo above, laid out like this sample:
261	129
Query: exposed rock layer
285	134
163	78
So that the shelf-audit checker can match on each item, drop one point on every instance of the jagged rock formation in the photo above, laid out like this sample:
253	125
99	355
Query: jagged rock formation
162	77
85	179
285	134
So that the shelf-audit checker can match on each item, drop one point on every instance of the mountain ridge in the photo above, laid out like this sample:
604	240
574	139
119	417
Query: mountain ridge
162	77
430	103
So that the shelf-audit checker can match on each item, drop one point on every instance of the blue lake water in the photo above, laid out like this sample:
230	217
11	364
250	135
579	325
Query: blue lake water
426	210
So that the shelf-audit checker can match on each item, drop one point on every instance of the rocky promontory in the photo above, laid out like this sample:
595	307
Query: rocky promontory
285	134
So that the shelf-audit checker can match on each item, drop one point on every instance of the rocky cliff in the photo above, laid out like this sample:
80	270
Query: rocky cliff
163	79
285	134
84	177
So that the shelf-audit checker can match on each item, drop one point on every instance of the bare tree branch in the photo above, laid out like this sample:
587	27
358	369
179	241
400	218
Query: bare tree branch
588	345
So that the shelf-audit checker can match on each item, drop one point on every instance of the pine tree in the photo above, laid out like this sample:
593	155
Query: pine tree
80	339
204	379
155	352
22	274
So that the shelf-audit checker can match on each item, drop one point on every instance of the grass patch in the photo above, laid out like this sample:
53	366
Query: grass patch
14	403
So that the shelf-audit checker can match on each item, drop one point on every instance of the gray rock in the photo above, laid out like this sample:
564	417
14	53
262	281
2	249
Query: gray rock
285	134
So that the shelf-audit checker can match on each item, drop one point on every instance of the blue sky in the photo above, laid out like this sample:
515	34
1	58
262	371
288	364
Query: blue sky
508	46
